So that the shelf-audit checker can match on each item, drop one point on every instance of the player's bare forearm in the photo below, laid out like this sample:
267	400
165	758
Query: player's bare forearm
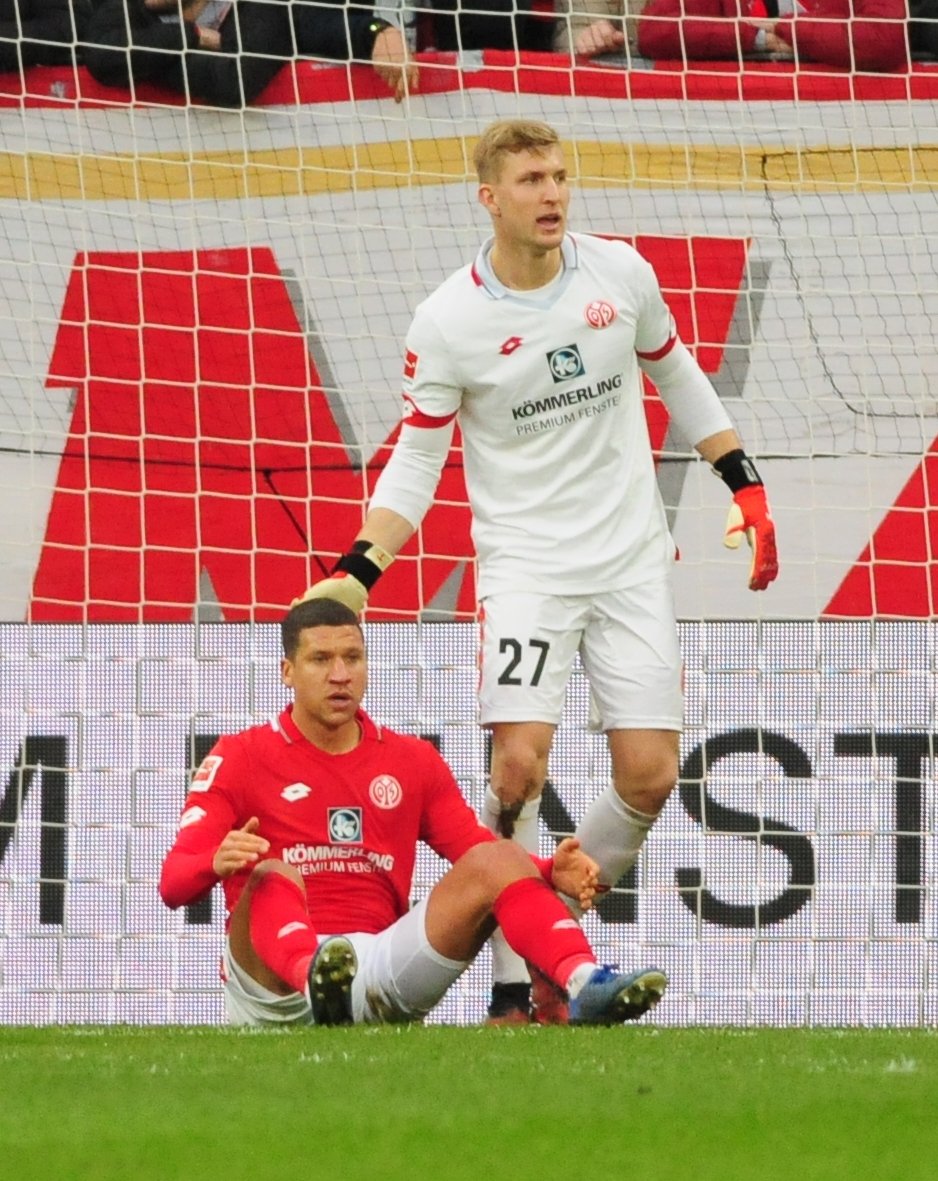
714	447
386	528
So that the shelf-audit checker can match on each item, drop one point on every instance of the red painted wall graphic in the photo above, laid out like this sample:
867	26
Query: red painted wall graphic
701	280
897	572
201	440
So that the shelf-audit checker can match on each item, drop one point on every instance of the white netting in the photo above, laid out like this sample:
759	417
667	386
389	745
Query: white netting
201	324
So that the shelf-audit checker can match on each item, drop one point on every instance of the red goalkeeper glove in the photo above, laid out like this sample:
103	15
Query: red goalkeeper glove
352	577
749	516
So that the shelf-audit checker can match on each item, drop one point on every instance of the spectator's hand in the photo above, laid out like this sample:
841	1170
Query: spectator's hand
189	11
773	43
575	874
749	515
240	848
392	65
598	38
208	38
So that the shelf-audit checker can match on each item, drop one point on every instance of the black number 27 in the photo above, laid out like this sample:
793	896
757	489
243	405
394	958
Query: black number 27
515	648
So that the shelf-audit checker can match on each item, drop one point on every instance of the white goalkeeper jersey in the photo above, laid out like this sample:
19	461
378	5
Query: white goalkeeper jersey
548	393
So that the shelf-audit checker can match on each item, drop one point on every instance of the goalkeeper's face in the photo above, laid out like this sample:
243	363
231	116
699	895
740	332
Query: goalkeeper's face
528	200
328	674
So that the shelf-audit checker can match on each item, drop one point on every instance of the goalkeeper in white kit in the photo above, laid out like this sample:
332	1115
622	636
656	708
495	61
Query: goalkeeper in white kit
538	348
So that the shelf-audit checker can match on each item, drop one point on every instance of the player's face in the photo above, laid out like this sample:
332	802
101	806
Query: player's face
328	675
528	200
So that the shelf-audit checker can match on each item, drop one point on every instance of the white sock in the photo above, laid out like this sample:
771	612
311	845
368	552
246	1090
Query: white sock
527	830
507	966
612	833
578	977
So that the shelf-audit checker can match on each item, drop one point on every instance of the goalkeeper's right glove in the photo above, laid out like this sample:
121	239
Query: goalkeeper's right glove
352	577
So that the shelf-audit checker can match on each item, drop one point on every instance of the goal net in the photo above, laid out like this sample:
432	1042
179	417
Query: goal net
201	327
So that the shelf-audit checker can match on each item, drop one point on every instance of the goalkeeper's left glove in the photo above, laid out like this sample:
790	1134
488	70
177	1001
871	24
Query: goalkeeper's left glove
750	515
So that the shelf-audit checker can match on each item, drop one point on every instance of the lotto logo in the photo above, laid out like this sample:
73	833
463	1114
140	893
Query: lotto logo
296	791
600	313
565	363
345	826
410	363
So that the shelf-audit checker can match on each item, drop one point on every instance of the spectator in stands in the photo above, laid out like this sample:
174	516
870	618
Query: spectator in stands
342	31
521	25
40	32
923	28
226	53
590	28
867	35
226	60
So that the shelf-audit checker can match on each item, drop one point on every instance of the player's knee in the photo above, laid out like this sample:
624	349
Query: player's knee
275	865
493	865
647	782
658	791
518	772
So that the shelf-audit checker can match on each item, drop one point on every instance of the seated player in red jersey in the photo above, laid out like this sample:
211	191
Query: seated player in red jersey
311	824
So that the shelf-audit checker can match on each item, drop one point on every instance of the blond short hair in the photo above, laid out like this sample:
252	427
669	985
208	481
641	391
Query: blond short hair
509	136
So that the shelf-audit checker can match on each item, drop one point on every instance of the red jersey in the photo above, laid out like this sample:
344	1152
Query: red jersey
853	34
349	823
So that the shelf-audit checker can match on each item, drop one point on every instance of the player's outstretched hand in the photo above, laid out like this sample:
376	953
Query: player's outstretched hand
575	874
342	587
750	516
241	847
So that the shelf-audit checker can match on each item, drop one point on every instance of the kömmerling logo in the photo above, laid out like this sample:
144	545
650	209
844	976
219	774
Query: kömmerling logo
345	826
565	363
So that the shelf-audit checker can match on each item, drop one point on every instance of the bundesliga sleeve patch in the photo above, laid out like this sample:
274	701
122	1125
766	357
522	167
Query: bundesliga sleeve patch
202	779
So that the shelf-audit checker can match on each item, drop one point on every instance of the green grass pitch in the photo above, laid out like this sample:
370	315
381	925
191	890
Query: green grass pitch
447	1104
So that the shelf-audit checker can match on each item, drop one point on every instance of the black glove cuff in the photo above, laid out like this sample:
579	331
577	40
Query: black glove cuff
737	470
359	565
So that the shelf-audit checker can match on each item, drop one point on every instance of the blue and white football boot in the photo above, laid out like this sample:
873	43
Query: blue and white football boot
610	997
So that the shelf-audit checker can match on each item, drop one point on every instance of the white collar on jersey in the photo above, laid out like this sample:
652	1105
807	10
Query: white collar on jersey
277	725
483	275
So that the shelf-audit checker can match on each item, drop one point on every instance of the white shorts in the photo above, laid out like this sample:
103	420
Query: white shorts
400	978
627	641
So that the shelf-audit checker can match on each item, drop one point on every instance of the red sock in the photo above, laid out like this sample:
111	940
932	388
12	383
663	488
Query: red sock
281	932
541	929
